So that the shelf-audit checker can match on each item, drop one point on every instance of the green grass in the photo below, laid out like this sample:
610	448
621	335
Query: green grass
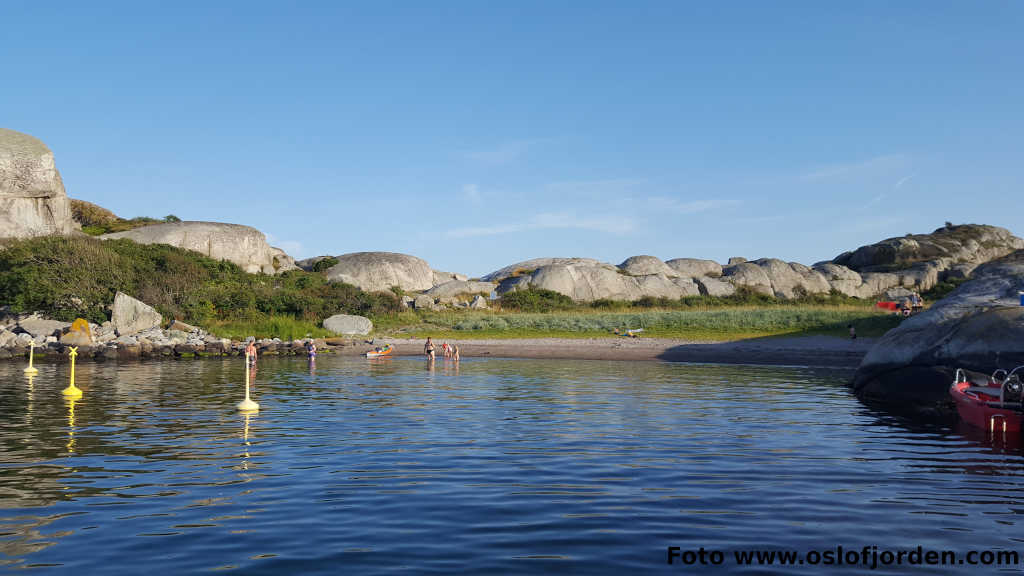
731	323
283	327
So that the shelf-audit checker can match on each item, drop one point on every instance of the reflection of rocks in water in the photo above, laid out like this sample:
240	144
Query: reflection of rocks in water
23	536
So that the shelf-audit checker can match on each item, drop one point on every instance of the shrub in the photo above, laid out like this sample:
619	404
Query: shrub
70	277
323	265
536	300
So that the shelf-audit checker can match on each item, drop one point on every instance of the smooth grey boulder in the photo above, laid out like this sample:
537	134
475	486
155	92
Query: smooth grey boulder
348	324
478	303
380	271
424	302
40	328
695	267
714	287
748	275
242	245
587	280
527	267
840	278
979	327
32	197
441	277
454	288
130	315
645	265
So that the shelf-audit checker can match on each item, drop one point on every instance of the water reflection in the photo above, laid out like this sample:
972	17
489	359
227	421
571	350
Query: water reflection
493	465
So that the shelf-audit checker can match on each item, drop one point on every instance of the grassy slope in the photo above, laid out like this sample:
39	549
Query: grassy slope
732	323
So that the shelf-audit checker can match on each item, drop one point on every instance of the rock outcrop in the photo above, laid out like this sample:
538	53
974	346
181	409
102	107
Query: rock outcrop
455	288
440	277
646	265
379	271
32	197
130	315
980	327
527	267
919	261
348	324
695	267
242	245
586	280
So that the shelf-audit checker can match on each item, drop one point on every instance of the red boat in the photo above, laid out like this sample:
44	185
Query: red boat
993	403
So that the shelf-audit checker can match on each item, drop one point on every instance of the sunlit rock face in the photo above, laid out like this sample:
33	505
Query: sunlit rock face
32	197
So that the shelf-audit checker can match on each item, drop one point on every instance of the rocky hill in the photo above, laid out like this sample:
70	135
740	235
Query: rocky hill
32	197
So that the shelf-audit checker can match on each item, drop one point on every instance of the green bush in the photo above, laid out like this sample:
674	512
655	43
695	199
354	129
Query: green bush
536	300
323	265
67	278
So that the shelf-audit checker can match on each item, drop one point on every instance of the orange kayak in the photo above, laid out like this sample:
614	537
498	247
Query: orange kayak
382	351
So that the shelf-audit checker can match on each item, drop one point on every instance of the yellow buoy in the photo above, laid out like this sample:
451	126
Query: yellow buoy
247	405
71	391
31	352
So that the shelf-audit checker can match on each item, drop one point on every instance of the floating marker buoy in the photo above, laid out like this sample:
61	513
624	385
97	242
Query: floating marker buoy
31	352
71	391
247	405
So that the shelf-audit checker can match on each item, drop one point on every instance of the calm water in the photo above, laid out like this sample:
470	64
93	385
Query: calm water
503	466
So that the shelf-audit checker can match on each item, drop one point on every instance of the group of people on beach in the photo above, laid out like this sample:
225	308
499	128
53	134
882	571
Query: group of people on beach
448	350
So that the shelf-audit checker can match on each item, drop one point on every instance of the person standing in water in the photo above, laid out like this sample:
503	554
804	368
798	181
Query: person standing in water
455	353
250	351
311	350
428	348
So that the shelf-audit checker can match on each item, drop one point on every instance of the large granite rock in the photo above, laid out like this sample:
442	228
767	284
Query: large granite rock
440	277
748	275
281	261
130	315
379	271
32	197
454	288
922	260
695	267
586	280
980	327
527	267
645	265
39	328
714	287
348	324
840	278
242	245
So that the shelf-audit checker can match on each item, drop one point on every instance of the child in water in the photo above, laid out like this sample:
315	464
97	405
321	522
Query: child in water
311	350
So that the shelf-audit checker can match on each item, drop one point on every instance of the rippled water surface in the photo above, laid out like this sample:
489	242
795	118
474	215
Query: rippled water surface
501	466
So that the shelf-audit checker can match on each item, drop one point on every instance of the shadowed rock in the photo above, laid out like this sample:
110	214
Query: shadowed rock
32	197
980	327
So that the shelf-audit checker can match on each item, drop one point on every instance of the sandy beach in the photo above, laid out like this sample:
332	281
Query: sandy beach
779	350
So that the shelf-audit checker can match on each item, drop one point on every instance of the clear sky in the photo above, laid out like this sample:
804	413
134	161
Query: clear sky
477	134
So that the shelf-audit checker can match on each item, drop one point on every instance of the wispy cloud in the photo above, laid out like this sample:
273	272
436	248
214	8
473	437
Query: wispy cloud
677	206
903	181
551	221
836	170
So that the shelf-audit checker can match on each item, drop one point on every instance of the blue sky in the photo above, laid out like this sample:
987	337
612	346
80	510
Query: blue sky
476	134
